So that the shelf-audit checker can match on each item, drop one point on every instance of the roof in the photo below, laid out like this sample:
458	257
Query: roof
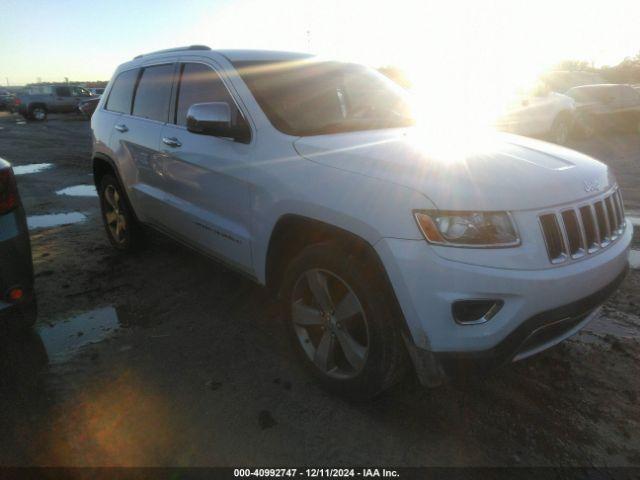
235	55
262	55
598	86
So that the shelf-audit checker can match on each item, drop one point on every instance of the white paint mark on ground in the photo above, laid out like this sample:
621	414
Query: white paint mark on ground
79	191
634	259
65	338
54	219
31	168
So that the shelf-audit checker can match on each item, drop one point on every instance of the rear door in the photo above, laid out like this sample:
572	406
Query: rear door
208	193
136	137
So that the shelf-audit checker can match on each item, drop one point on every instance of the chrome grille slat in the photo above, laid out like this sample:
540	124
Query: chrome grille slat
611	214
616	206
602	223
591	232
571	233
554	238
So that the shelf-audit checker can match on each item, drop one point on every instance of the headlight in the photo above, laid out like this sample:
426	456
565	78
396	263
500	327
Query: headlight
468	229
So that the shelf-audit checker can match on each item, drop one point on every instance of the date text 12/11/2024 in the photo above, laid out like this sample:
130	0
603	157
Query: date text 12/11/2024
316	472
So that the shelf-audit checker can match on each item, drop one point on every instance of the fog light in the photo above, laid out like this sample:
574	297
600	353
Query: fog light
469	312
15	294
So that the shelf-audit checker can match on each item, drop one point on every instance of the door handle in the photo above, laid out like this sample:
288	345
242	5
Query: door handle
121	128
171	141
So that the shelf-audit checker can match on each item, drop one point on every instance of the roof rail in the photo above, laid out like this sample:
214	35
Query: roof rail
179	49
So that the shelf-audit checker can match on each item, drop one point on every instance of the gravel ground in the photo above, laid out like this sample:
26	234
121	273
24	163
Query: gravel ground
166	358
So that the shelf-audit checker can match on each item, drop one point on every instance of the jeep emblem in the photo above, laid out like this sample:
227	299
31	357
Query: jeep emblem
591	185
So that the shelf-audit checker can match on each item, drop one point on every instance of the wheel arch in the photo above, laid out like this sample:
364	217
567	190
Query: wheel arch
103	164
565	113
33	105
293	232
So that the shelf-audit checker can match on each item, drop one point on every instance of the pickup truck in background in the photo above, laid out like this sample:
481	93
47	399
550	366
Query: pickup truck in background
39	101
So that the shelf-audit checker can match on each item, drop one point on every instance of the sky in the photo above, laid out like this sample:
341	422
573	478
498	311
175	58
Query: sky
54	39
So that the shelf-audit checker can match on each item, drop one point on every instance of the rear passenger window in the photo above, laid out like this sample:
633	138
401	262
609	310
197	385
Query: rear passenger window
122	92
63	91
153	93
200	84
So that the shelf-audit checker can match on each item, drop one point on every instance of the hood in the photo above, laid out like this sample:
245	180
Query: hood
502	172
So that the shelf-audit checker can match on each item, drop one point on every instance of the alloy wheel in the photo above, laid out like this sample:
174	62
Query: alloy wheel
114	215
330	323
39	114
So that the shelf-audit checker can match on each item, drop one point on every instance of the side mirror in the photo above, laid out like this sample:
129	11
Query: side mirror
214	119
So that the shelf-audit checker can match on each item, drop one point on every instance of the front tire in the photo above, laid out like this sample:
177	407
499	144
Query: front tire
338	314
122	227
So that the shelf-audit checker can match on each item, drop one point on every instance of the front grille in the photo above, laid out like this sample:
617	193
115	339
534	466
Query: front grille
573	232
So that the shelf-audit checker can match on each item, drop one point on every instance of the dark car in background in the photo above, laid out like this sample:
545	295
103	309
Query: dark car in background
17	296
606	107
6	99
41	100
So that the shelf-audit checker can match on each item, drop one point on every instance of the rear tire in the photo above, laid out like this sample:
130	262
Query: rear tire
352	343
38	113
123	229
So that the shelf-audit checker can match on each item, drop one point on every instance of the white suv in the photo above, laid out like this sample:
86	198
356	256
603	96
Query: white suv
308	176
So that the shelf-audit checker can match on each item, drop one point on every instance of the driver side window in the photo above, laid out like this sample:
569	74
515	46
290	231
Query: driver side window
200	84
80	92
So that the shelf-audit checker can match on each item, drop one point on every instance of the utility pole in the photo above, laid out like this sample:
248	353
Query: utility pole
308	40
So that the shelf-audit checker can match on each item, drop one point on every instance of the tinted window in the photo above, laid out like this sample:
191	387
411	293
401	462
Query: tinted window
122	92
200	84
591	94
153	93
80	92
63	91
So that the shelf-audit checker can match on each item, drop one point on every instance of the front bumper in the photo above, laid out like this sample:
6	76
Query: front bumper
534	335
426	285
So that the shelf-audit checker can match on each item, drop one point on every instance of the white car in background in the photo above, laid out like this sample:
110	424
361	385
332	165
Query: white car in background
309	177
540	113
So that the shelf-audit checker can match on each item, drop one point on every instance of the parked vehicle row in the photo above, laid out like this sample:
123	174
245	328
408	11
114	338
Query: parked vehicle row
38	101
383	255
582	110
6	99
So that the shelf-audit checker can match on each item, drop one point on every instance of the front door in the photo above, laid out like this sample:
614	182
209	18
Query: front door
205	177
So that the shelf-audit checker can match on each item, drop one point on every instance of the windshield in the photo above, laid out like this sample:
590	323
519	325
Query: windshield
325	97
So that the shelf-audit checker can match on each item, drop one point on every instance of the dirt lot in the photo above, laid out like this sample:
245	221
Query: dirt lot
166	358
